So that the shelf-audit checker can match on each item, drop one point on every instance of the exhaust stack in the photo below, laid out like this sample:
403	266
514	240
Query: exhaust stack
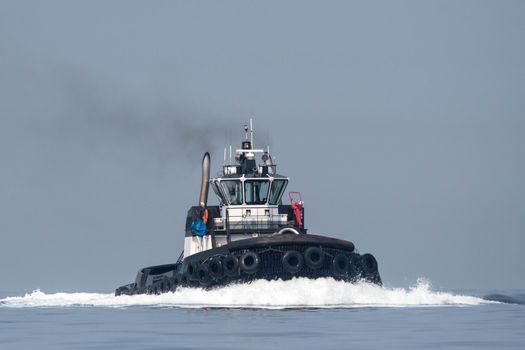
205	182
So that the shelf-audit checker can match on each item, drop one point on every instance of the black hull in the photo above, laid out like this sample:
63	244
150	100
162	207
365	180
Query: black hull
272	257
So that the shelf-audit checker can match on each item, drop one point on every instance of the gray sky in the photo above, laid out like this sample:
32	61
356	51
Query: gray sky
402	123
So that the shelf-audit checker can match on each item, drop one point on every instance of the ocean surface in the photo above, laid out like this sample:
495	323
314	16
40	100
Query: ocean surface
296	314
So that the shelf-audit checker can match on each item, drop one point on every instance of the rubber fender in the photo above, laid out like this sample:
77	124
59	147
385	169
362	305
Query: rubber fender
193	271
369	263
182	274
215	268
340	264
293	261
355	266
250	262
314	257
189	271
230	265
203	274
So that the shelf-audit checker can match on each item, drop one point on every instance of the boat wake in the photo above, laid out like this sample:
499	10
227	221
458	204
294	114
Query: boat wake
296	293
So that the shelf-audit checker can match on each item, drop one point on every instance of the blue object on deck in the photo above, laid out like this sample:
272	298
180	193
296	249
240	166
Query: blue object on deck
199	227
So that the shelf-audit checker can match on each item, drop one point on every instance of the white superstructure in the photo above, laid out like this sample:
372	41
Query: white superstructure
250	201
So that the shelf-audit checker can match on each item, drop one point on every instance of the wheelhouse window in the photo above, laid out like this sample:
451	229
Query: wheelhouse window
277	190
217	191
256	191
233	191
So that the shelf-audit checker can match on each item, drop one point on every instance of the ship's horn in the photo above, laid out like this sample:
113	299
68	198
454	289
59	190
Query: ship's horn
205	182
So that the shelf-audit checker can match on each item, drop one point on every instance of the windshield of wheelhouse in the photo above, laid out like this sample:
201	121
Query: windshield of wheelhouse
277	190
233	191
256	191
216	189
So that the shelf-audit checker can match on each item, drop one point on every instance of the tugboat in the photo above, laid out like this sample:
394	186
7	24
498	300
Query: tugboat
251	234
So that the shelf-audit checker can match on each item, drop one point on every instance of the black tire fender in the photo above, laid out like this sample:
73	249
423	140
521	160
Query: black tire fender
230	265
190	271
314	257
250	262
293	261
203	274
355	265
369	263
215	268
340	264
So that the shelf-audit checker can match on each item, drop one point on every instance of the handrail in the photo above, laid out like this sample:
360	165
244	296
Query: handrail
288	228
255	223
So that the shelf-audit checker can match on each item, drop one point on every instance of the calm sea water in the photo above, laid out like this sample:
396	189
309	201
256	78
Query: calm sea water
300	314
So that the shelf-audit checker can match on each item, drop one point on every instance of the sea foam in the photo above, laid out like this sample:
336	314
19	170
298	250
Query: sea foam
296	293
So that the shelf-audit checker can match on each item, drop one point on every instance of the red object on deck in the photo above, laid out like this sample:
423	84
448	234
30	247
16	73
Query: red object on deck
297	206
